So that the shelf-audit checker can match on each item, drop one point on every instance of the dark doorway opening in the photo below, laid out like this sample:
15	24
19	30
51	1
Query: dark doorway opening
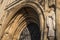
31	32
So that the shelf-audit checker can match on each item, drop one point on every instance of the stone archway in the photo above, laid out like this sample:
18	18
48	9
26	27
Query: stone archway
19	18
30	18
33	26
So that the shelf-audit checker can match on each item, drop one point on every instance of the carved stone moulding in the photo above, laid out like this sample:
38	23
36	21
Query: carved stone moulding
18	6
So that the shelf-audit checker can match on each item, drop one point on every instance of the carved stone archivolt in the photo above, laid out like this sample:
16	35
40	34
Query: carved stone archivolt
19	17
19	14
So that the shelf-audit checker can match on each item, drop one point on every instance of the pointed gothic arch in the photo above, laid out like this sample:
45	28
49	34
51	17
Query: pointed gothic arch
15	21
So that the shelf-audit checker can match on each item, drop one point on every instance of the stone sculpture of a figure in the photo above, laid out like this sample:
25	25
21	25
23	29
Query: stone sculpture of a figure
50	21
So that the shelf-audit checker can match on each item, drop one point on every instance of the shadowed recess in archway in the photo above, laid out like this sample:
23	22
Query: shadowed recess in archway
31	32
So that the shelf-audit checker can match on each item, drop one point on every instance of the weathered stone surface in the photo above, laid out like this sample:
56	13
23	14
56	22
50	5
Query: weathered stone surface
13	22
